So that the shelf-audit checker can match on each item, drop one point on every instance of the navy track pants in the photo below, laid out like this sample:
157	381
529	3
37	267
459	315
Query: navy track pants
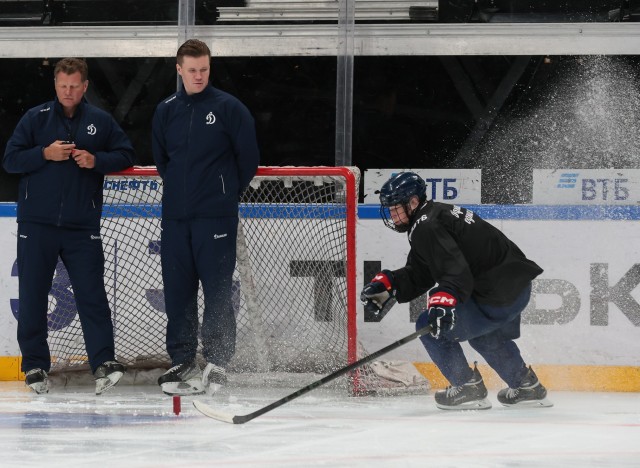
199	250
39	246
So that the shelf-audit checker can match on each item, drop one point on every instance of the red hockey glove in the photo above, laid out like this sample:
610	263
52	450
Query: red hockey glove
441	312
378	296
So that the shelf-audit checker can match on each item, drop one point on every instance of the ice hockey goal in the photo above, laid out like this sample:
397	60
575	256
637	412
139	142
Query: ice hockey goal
294	296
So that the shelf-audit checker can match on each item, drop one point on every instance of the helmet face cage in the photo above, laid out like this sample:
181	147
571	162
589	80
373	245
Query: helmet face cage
399	190
385	214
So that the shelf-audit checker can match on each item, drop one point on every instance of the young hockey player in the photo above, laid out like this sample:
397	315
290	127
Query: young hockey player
479	282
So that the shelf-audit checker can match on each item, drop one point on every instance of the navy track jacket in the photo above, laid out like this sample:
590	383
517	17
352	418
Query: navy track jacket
60	193
205	149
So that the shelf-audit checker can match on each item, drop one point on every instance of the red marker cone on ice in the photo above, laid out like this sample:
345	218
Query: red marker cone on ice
176	405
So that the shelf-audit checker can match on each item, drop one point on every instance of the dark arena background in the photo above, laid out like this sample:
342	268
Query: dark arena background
413	109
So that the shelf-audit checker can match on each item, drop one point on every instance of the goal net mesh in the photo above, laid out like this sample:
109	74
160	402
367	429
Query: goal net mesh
292	293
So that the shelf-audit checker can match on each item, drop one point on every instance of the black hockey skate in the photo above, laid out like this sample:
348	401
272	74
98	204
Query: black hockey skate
183	379
107	375
470	396
37	380
213	378
530	393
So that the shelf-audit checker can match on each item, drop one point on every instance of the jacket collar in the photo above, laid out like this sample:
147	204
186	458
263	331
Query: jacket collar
201	96
58	107
427	204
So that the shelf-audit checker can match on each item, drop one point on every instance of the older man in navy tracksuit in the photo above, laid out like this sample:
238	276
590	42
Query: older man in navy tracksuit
205	148
63	148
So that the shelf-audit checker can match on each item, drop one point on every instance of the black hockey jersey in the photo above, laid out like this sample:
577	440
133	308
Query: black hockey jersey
458	250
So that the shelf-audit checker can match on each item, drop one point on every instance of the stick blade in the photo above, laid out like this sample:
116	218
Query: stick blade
212	413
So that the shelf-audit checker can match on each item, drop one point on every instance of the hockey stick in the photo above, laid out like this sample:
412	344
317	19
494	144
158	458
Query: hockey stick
241	419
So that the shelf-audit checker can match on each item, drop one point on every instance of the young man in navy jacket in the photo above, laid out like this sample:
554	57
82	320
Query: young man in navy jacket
205	148
63	149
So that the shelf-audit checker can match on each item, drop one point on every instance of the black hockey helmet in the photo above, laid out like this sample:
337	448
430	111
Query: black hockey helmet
399	190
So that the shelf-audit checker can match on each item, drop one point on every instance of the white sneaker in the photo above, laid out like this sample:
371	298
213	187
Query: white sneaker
183	379
37	380
213	378
107	375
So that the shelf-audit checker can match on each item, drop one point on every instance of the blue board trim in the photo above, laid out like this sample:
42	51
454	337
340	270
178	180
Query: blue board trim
537	212
8	210
496	212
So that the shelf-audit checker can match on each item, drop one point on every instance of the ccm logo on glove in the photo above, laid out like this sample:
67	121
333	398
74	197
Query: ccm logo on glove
442	298
441	313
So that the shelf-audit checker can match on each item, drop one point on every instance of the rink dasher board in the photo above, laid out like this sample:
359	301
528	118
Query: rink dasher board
579	247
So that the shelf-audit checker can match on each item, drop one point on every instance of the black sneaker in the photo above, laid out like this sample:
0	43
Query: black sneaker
183	379
37	380
471	395
530	393
213	378
107	375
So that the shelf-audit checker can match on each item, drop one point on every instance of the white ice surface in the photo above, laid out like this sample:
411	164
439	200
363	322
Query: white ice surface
134	426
